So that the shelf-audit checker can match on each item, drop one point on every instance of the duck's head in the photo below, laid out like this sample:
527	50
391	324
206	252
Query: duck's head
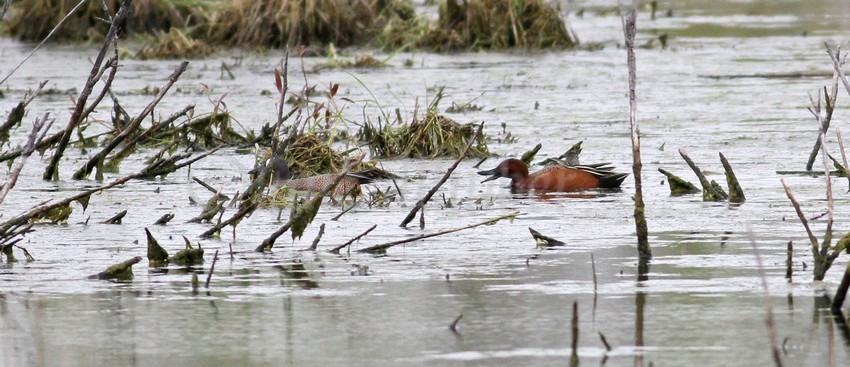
280	169
509	168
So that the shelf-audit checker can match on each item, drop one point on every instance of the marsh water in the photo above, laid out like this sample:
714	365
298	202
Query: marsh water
703	302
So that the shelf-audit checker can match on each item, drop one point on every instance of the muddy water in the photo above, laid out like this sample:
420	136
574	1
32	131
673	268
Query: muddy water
702	305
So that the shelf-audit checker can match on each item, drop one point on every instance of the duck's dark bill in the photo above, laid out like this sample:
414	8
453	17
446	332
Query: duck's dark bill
491	172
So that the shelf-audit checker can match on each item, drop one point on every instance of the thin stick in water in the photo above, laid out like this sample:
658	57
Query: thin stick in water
212	269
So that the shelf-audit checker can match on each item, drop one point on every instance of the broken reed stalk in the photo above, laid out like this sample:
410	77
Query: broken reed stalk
812	239
421	203
317	239
268	243
593	268
736	194
843	152
382	248
335	250
112	65
574	327
153	170
98	158
32	141
710	192
212	269
453	326
629	29
122	271
769	322
836	63
841	293
789	270
831	99
51	172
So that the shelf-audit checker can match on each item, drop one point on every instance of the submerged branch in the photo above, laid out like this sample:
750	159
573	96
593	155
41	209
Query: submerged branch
382	248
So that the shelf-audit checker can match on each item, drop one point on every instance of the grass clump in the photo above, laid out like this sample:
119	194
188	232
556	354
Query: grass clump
174	44
430	137
32	20
280	23
498	24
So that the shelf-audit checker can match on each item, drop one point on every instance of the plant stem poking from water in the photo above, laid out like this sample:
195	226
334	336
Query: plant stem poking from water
629	20
421	203
769	322
382	248
841	293
574	327
736	194
318	238
789	269
843	154
122	271
453	326
52	170
678	186
335	250
711	191
33	141
830	107
212	269
97	159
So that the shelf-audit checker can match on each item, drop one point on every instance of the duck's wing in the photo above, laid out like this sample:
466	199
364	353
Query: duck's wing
608	179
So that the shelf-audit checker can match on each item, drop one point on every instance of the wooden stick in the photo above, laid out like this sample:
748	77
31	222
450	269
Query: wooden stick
51	172
32	141
86	169
335	250
789	270
212	269
317	239
841	292
629	29
812	239
831	99
421	203
382	248
453	326
843	153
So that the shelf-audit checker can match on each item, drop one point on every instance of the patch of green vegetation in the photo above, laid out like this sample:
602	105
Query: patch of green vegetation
430	137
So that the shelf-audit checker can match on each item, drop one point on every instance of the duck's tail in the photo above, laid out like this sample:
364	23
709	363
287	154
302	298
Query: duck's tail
370	175
612	181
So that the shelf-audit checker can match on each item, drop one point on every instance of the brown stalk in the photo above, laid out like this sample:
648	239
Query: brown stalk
32	142
382	248
629	29
51	172
831	99
335	250
86	169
